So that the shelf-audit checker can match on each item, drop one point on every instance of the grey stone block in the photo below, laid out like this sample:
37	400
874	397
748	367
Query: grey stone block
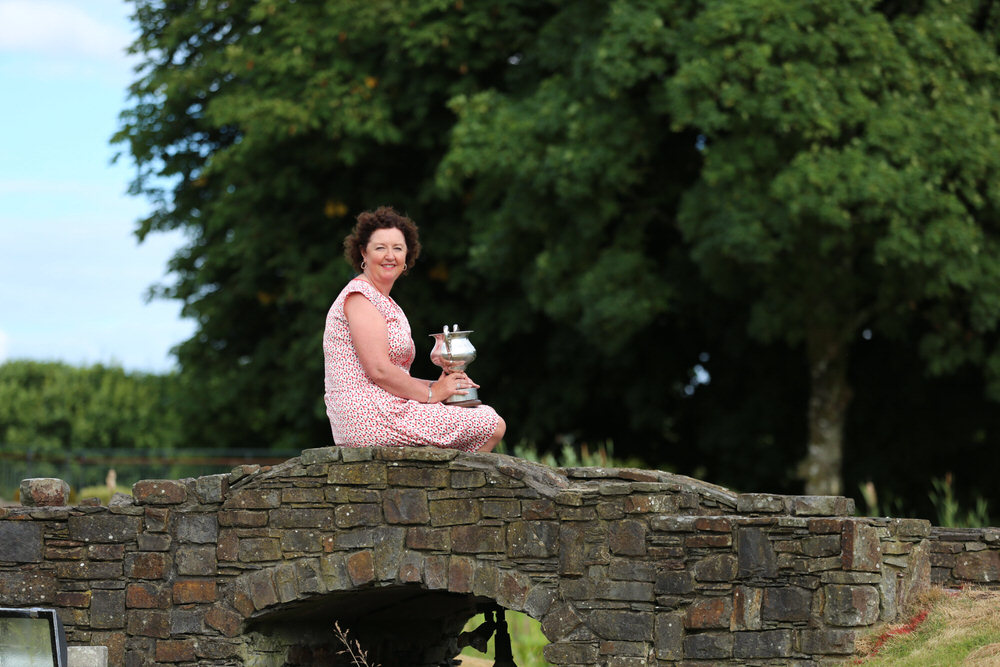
786	603
756	555
196	560
198	528
851	605
532	539
674	582
87	656
760	503
669	635
621	625
320	455
103	528
765	644
210	489
721	567
20	542
107	609
708	646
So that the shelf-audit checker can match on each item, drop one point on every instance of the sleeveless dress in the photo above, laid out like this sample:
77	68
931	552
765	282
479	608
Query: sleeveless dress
362	414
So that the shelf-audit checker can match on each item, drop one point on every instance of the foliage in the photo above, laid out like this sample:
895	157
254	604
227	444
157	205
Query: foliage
949	510
945	509
102	493
806	172
271	121
571	455
526	639
886	505
52	407
828	196
611	193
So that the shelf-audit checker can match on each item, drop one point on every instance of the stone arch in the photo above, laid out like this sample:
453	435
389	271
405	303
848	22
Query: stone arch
473	529
300	601
393	558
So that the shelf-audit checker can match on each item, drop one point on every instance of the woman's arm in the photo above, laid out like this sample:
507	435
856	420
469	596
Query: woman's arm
371	341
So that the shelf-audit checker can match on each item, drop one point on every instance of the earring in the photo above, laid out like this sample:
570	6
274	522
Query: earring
363	265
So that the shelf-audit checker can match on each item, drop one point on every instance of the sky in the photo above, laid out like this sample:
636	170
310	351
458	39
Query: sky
73	276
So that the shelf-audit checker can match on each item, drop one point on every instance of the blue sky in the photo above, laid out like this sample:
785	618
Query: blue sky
73	277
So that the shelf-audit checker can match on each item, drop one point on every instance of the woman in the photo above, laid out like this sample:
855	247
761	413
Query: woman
371	398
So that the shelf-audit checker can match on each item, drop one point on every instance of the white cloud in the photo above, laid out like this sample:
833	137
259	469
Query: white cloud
58	28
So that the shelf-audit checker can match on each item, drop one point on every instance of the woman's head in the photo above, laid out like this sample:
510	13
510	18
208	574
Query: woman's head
384	217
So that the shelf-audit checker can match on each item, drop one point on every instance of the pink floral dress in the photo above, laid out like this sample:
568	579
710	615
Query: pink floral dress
362	414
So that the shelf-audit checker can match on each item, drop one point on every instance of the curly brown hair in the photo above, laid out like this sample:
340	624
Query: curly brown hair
384	217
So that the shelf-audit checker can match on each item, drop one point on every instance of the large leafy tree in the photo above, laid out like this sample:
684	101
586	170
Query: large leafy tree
849	186
846	157
272	123
262	127
611	192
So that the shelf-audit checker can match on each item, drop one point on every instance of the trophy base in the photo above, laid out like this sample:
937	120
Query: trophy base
465	404
469	399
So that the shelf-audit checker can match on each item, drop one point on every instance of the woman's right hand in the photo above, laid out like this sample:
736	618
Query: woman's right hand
452	384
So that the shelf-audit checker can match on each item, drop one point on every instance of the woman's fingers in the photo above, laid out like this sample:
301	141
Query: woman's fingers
464	380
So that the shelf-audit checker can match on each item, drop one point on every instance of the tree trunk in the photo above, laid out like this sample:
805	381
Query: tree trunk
829	396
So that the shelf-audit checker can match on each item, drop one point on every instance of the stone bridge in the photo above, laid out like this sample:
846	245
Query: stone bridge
622	567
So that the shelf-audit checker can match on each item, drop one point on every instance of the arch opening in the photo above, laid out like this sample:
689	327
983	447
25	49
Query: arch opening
396	626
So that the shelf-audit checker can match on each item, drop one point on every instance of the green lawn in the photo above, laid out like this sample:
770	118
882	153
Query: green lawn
526	639
961	628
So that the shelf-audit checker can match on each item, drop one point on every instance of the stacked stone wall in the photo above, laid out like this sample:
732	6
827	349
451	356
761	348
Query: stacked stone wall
621	567
965	556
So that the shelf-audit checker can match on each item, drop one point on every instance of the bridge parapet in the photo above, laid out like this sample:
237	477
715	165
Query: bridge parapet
402	545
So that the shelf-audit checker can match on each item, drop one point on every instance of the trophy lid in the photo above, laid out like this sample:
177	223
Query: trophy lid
451	334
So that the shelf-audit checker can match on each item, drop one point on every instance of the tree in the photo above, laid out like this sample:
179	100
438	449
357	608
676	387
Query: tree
270	122
844	180
48	407
611	192
849	184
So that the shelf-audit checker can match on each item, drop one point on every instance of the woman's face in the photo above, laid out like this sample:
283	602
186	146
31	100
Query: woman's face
385	254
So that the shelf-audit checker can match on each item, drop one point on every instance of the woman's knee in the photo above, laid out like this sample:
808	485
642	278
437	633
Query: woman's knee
501	429
494	439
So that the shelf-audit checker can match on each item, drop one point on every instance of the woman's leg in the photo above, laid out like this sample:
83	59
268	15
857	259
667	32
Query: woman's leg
496	437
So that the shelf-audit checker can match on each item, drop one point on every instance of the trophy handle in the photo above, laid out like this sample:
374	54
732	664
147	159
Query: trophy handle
447	339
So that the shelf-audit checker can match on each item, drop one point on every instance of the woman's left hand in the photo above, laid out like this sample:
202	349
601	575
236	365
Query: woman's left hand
452	384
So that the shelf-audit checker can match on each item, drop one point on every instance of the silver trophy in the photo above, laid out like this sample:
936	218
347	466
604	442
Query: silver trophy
453	352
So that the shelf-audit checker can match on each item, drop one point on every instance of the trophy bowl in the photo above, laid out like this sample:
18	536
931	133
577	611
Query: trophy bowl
453	352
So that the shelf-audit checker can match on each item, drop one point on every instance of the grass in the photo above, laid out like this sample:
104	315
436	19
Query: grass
960	628
572	455
526	640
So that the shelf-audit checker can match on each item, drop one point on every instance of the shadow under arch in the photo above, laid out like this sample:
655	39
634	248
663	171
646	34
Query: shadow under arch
399	625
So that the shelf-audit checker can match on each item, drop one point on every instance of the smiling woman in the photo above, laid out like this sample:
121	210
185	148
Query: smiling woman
371	398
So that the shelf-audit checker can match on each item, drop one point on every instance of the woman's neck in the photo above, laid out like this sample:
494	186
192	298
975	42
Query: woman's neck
384	289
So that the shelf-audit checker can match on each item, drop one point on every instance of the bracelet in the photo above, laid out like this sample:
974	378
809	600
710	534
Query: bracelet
429	392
